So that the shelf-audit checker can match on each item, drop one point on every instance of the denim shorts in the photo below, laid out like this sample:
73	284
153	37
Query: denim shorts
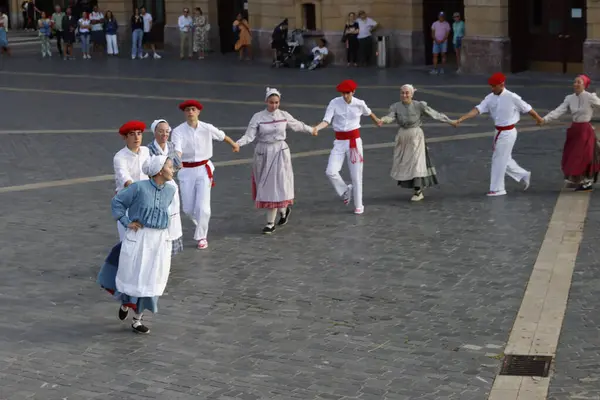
458	42
440	47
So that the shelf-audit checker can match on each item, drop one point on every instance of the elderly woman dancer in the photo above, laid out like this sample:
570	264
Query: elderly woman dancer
412	167
272	174
137	269
581	155
162	147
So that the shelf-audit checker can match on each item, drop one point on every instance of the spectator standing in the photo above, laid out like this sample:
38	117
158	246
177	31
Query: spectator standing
45	26
185	23
70	24
350	39
137	35
57	24
85	26
440	30
458	29
97	35
148	39
366	26
3	33
201	28
111	26
244	37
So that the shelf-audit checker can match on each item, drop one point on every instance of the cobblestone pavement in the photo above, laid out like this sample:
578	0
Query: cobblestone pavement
408	301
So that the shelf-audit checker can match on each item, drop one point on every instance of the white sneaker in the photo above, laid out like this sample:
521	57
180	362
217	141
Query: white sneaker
348	195
133	57
202	244
417	197
527	181
145	55
495	194
49	54
359	210
156	56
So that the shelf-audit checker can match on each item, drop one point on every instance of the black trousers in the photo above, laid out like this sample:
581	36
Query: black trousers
352	51
59	38
365	50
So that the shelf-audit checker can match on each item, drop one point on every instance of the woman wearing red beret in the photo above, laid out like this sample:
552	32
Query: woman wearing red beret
581	154
344	114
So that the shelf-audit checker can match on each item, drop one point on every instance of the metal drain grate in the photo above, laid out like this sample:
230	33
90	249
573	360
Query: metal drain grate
526	365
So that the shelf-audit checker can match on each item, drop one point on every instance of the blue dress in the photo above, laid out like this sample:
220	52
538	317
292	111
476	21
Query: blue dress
147	203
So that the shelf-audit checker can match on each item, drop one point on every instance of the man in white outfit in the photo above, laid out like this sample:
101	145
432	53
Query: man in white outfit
193	143
129	160
344	114
505	107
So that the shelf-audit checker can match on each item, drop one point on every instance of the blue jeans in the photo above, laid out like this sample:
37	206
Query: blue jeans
458	42
85	43
440	47
136	43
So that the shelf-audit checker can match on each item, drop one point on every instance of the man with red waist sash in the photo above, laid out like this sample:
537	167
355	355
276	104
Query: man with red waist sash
344	113
193	142
505	107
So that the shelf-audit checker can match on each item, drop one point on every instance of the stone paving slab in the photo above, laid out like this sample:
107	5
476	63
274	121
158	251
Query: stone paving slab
576	371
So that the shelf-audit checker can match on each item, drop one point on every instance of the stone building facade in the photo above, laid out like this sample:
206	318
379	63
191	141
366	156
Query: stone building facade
501	35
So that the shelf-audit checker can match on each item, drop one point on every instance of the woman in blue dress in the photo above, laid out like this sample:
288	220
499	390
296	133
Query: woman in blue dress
137	269
3	35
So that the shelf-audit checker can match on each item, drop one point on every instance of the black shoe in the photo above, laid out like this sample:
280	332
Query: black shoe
138	327
584	188
267	230
123	313
283	219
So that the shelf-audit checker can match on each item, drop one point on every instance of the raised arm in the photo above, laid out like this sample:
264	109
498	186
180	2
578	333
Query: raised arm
371	114
295	125
438	116
121	203
558	111
329	114
525	108
250	134
219	135
390	117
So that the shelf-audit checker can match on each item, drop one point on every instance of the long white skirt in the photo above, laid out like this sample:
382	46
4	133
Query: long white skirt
144	262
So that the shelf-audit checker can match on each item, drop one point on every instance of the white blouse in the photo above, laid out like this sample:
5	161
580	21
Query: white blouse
128	166
345	117
505	108
580	106
270	127
196	145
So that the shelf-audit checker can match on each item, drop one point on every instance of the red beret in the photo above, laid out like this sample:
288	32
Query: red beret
347	86
190	103
132	126
497	79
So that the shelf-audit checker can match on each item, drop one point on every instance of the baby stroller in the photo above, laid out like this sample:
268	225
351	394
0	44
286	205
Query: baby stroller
289	51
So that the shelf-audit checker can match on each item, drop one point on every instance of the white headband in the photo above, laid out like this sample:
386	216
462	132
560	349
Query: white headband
158	121
410	87
271	92
154	165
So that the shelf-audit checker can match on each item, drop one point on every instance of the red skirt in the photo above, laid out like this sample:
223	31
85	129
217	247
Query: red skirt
581	152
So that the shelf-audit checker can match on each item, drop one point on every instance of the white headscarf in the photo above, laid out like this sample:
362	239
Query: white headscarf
409	87
154	165
271	92
158	121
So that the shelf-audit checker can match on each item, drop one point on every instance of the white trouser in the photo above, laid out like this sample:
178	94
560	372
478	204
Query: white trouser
111	44
195	187
341	150
502	161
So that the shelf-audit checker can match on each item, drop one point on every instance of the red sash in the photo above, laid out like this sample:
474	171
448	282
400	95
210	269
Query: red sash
199	164
355	156
500	129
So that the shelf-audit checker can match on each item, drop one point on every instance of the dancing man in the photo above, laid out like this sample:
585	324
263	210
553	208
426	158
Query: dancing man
129	160
505	108
272	173
344	114
137	269
193	143
580	160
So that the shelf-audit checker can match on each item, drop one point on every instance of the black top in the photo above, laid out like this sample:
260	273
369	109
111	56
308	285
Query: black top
351	36
69	23
137	22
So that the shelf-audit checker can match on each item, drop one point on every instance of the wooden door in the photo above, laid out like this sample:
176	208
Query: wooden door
575	35
431	10
156	8
518	31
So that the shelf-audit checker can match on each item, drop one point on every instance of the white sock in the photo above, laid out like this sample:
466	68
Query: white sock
282	211
124	308
271	213
137	319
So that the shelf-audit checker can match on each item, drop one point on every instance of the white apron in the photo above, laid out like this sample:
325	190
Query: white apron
144	262
175	229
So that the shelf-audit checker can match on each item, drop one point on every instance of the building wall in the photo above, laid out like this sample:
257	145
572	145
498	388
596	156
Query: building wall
591	47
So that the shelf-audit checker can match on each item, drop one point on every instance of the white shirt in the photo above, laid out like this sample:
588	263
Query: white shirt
185	23
322	50
364	27
580	106
345	117
128	166
505	109
196	145
147	22
97	16
83	22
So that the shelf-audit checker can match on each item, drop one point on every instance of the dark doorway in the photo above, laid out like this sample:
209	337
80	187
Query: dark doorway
548	35
5	8
156	8
431	10
227	11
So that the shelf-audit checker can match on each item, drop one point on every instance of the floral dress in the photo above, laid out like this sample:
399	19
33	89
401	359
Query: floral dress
200	34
